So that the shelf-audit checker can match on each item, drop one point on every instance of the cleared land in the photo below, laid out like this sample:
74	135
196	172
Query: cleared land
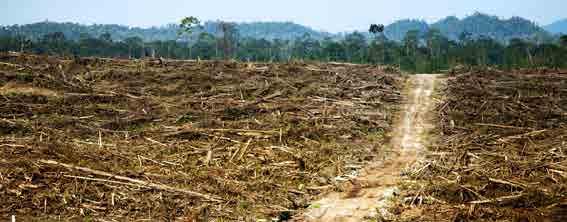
187	140
374	192
500	154
124	140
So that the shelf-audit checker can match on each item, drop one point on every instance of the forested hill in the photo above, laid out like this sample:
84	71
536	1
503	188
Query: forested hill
485	25
477	25
275	30
397	30
74	31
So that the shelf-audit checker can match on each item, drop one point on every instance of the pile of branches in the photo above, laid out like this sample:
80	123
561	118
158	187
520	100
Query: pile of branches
503	151
165	140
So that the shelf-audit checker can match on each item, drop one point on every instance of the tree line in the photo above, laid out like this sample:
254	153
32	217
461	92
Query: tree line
417	52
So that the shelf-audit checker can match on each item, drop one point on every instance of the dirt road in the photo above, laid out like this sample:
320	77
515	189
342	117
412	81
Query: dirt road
377	184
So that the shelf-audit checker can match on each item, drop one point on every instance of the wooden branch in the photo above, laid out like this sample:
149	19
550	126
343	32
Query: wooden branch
244	132
244	149
501	126
513	184
498	199
135	181
104	181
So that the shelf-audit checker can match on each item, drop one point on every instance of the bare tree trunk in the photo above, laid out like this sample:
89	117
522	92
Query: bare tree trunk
530	58
216	49
168	51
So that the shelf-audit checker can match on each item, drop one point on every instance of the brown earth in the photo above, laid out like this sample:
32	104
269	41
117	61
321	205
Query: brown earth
500	155
123	140
373	192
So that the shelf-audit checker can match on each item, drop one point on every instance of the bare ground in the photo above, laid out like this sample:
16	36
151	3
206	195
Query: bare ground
125	140
370	195
499	151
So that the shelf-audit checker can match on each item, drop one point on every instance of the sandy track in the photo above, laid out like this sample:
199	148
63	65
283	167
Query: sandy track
377	183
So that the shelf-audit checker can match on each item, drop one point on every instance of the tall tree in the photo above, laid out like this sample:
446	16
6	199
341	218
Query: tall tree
563	41
355	44
188	25
379	38
333	50
229	38
133	43
306	47
411	42
55	42
204	48
186	28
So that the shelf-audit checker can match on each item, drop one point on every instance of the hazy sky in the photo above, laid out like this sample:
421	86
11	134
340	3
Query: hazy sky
325	15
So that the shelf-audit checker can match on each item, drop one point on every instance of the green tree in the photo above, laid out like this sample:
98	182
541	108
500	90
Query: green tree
204	48
133	44
563	41
306	47
280	50
188	25
106	37
54	42
437	45
333	50
411	42
516	54
228	38
378	43
24	42
186	28
356	46
465	37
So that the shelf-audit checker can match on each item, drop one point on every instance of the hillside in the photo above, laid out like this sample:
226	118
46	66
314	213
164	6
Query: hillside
485	25
278	30
477	24
557	27
74	31
397	30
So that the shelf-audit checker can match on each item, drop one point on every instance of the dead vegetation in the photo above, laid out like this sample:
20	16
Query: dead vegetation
502	150
177	140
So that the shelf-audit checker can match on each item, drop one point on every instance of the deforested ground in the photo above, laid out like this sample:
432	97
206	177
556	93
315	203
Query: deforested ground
375	191
500	152
184	140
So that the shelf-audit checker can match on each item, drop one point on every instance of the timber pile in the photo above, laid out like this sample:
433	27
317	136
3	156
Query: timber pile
502	154
124	140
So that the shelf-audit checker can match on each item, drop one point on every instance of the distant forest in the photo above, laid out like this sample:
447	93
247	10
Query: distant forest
76	32
413	45
480	25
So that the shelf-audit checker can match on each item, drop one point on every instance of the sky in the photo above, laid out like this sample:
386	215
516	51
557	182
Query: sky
324	15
